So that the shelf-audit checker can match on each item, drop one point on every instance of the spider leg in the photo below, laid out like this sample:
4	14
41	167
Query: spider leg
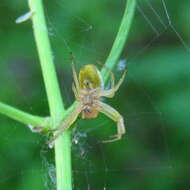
76	93
74	72
114	115
111	92
66	123
110	72
120	81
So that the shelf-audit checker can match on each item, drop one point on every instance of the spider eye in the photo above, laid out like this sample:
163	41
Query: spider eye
87	84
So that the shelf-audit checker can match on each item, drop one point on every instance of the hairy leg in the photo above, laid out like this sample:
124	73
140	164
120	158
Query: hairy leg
111	92
74	73
76	93
110	72
114	115
66	123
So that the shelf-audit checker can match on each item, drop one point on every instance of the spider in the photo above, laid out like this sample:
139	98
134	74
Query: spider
88	88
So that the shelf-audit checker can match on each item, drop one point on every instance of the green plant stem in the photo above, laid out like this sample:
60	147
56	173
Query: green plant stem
21	116
120	39
46	60
62	145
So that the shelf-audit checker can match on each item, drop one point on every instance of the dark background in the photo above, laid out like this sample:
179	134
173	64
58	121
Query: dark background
154	98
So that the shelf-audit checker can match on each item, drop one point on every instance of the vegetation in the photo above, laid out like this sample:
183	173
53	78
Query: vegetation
153	99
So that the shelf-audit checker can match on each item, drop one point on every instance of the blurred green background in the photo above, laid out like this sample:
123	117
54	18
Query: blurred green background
154	98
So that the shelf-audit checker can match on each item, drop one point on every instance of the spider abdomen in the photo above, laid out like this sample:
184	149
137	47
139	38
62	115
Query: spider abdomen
89	111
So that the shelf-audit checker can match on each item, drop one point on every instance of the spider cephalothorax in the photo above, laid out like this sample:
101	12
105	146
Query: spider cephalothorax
88	90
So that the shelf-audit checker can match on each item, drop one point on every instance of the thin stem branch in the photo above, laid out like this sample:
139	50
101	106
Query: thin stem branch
62	145
120	39
21	116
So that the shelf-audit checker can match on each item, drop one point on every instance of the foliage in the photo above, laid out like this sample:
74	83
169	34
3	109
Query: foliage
154	98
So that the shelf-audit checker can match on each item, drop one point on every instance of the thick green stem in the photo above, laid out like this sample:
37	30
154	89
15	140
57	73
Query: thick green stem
46	61
21	116
62	145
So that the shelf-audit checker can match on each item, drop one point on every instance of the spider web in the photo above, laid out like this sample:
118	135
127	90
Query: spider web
146	156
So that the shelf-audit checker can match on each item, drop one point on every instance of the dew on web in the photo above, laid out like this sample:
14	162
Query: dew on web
49	173
121	65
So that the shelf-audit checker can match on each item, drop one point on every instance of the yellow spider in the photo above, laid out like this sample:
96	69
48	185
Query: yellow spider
88	89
